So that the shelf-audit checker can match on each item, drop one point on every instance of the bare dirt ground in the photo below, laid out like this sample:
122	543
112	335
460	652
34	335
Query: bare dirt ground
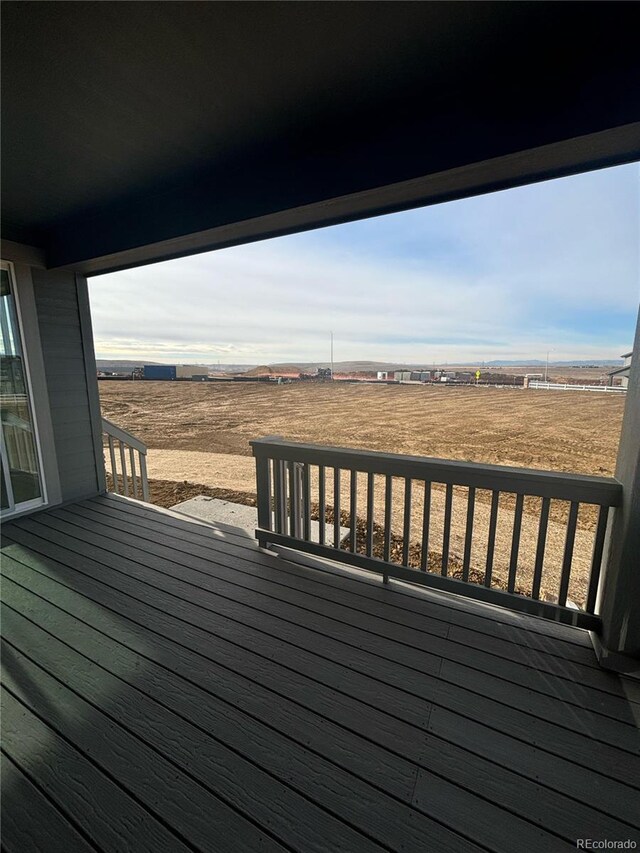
198	437
564	431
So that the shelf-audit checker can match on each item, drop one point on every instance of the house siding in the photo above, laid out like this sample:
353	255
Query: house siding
67	350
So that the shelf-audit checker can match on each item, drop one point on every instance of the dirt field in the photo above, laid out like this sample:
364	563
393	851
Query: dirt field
199	433
565	431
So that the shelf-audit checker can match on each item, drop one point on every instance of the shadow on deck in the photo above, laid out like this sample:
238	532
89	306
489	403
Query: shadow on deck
169	686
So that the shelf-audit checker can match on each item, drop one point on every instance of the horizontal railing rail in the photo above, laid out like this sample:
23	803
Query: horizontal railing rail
127	479
568	386
407	509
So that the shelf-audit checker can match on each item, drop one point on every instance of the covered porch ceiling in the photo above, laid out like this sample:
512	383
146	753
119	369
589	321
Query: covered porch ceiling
134	132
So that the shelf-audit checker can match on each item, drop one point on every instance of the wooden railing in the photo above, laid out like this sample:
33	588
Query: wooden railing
127	479
511	540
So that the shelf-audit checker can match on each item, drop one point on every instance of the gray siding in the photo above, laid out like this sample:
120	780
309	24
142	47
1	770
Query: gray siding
63	334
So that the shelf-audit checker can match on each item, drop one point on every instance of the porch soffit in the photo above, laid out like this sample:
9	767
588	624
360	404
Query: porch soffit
137	131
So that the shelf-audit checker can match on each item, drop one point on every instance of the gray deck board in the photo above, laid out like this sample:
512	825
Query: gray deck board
395	823
393	733
530	636
30	820
572	683
214	696
77	785
304	632
411	597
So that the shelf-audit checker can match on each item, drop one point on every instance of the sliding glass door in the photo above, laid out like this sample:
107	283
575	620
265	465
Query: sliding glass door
21	486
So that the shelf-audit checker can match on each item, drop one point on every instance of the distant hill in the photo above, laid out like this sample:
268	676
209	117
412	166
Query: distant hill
126	366
598	362
372	366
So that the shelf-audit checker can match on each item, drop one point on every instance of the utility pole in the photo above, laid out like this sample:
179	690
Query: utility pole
331	356
546	368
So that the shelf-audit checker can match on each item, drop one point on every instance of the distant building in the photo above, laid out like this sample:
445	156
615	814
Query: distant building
159	371
622	373
172	371
188	371
382	374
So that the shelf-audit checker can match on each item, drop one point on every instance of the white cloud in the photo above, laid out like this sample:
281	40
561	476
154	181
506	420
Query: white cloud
502	276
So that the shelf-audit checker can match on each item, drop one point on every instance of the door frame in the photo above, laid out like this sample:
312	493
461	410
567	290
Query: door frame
36	387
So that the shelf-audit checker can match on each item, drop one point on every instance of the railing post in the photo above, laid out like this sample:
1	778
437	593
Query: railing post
619	604
263	489
143	476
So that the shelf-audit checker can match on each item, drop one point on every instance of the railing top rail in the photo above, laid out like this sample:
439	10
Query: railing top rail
124	436
604	491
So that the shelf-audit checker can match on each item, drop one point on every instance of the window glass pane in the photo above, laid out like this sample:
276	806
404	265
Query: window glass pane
18	446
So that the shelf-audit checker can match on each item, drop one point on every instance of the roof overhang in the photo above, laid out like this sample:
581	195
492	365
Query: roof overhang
134	132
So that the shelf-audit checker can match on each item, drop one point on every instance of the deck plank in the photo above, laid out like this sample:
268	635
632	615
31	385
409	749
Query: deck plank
518	630
383	817
440	756
257	795
30	821
546	716
74	783
348	608
366	679
197	814
313	708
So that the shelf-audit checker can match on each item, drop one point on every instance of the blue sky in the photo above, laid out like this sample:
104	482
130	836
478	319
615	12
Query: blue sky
552	266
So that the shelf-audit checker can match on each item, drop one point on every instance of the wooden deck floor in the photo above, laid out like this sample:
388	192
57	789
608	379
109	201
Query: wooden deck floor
169	687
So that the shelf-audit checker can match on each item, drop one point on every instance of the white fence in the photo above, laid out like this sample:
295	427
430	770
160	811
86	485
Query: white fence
558	386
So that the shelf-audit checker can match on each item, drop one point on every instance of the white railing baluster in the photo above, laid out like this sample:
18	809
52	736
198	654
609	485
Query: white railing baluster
123	465
143	476
114	470
127	442
134	481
